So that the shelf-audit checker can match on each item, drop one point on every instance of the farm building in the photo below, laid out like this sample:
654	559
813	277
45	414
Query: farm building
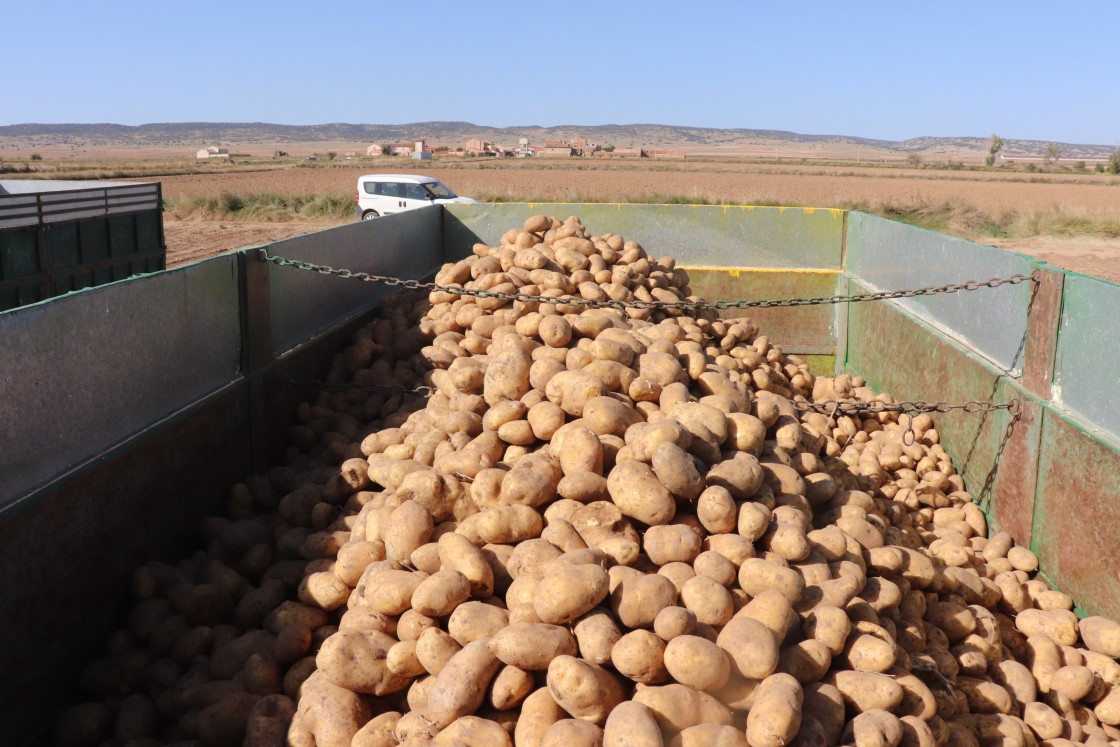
212	152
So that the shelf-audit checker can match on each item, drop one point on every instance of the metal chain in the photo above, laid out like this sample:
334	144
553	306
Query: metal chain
693	306
856	407
834	407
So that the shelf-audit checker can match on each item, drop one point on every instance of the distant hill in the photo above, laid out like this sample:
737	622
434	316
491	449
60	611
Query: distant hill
195	134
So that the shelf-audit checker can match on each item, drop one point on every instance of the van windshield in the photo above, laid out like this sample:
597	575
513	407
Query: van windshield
439	191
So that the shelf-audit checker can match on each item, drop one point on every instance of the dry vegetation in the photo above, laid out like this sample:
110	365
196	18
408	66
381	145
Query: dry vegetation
1065	215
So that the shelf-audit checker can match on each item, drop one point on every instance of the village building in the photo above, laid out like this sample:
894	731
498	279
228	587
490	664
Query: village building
212	151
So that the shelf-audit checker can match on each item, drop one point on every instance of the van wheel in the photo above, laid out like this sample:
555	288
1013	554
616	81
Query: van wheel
370	215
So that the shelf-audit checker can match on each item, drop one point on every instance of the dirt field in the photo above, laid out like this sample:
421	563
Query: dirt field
562	181
736	183
190	241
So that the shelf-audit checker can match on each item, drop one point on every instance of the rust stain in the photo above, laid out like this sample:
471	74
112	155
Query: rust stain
1017	465
1043	317
1077	519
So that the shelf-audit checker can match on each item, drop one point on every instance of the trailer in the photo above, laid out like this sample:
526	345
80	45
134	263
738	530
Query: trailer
128	410
62	236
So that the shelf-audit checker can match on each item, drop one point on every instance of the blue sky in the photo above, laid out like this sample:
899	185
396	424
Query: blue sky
889	70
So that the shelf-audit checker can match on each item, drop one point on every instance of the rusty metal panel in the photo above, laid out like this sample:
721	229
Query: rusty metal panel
709	235
1043	318
304	304
1077	516
801	330
1087	369
82	372
887	255
1009	495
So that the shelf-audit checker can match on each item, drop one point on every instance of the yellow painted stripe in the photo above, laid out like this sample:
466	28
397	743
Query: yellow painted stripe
736	271
619	205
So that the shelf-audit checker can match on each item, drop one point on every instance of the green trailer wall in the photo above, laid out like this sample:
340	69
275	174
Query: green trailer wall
128	410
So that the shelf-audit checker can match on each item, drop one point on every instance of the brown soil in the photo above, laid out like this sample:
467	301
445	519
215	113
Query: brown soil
579	181
566	181
190	241
1099	258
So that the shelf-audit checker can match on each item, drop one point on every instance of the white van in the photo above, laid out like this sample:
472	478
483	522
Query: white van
385	194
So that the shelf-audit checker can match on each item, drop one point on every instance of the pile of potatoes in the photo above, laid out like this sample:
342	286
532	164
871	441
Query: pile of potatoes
617	527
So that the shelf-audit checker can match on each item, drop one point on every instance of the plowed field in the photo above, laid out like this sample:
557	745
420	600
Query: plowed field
578	181
808	186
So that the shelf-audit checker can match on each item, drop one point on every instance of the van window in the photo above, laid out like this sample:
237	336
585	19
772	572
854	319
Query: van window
387	189
416	192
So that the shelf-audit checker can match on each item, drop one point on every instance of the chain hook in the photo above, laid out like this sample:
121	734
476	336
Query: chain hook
908	435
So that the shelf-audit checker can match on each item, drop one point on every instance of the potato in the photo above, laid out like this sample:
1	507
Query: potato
750	646
596	633
472	730
390	591
571	732
531	482
869	653
507	376
532	646
357	661
509	524
329	714
825	704
539	711
776	715
757	575
696	662
510	687
572	390
707	600
567	591
677	707
583	689
460	687
378	732
474	620
807	660
637	600
637	493
457	553
631	724
876	728
1101	635
866	691
439	594
716	510
640	656
1061	626
671	543
740	475
676	470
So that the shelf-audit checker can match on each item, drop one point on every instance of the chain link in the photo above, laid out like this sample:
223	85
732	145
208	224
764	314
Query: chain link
829	407
833	407
693	306
855	407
